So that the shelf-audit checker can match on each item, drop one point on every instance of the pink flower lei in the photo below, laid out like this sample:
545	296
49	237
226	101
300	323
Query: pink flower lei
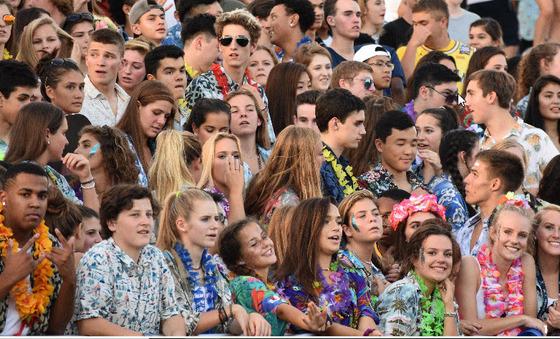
494	300
416	203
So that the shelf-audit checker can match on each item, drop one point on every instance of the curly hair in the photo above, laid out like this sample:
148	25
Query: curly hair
230	247
530	66
550	182
118	159
452	143
242	18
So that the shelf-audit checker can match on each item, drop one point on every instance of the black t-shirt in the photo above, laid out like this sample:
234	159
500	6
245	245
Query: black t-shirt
396	33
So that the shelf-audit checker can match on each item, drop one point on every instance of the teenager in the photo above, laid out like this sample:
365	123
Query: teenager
200	44
208	117
133	71
305	109
31	255
147	20
340	118
108	300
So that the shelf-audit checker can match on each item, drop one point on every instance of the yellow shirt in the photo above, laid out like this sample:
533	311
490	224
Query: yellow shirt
461	53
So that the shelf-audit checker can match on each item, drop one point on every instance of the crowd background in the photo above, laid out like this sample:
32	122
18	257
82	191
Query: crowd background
280	167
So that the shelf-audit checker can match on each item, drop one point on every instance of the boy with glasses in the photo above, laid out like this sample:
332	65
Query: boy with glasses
238	33
380	61
355	76
435	85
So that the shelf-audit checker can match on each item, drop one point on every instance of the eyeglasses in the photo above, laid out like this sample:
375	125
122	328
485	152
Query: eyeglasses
368	83
450	98
380	64
73	17
9	19
241	40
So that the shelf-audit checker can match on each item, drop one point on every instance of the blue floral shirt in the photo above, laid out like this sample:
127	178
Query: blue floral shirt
456	212
330	180
174	32
464	236
136	296
379	180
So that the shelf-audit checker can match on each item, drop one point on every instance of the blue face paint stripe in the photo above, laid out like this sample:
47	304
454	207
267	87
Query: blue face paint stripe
93	150
355	225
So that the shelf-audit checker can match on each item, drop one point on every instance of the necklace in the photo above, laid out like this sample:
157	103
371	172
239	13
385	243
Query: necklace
344	176
31	305
223	82
433	310
494	299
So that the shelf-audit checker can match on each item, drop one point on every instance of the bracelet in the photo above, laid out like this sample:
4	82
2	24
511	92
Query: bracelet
450	314
368	332
88	187
88	182
222	315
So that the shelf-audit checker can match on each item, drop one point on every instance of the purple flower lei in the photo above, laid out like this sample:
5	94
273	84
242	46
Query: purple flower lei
327	292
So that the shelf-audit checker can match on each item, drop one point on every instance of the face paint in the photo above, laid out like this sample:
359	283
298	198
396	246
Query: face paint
499	231
355	225
422	257
93	150
476	164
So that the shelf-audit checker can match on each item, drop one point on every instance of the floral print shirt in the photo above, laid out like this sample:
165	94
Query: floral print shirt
185	294
136	296
399	308
456	212
350	260
538	145
331	183
255	296
464	235
62	185
287	196
206	86
379	180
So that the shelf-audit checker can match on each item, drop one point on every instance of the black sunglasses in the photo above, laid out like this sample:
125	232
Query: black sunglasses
74	17
450	98
60	61
241	40
368	83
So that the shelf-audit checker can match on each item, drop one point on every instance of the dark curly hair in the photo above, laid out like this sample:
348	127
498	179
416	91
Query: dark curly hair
453	142
120	198
550	183
118	159
230	247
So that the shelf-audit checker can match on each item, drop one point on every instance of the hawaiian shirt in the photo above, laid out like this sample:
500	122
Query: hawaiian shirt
185	294
254	296
224	204
96	106
39	327
537	144
174	32
136	296
284	197
400	310
379	180
62	185
464	235
456	211
142	177
350	260
358	305
527	14
3	149
206	86
331	186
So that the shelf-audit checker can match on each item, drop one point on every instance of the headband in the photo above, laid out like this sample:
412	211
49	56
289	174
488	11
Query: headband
416	203
513	199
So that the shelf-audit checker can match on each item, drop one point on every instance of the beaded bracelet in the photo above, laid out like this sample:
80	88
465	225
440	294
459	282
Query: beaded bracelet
88	182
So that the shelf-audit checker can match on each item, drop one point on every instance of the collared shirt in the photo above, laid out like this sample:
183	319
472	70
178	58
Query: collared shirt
349	259
456	211
96	107
284	197
465	233
174	32
331	183
379	180
135	296
206	86
537	144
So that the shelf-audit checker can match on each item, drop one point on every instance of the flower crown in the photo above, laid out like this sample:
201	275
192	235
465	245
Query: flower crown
513	199
416	203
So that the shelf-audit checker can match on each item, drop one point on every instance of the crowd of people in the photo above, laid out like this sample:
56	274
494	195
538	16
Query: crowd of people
279	167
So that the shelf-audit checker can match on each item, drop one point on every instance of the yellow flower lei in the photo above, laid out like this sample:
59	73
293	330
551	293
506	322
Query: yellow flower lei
31	305
341	174
7	55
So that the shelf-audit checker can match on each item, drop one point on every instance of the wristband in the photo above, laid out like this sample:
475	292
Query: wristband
222	315
368	332
450	314
88	182
87	187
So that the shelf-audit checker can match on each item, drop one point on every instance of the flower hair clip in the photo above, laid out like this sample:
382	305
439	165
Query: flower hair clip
416	203
514	199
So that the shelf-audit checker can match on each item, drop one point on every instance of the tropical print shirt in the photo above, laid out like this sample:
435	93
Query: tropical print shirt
351	261
465	233
255	296
379	180
136	296
331	182
284	197
456	212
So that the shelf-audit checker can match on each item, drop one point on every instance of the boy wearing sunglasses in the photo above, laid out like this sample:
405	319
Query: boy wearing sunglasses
238	33
489	94
434	86
355	76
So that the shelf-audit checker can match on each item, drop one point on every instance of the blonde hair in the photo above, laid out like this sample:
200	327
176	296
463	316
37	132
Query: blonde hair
507	143
208	150
169	172
242	18
292	163
522	211
262	137
305	54
347	203
139	45
539	216
178	204
26	53
278	229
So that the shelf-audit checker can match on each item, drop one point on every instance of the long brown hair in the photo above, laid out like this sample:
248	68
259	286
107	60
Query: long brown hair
302	250
292	163
147	92
529	68
262	137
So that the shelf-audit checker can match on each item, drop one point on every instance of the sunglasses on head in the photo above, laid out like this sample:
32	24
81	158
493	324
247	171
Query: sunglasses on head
450	98
73	17
241	40
60	61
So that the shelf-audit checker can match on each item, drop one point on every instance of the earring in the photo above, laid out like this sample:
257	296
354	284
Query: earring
48	142
291	25
3	203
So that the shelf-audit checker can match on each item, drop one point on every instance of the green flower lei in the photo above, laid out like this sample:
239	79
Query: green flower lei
432	325
340	173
